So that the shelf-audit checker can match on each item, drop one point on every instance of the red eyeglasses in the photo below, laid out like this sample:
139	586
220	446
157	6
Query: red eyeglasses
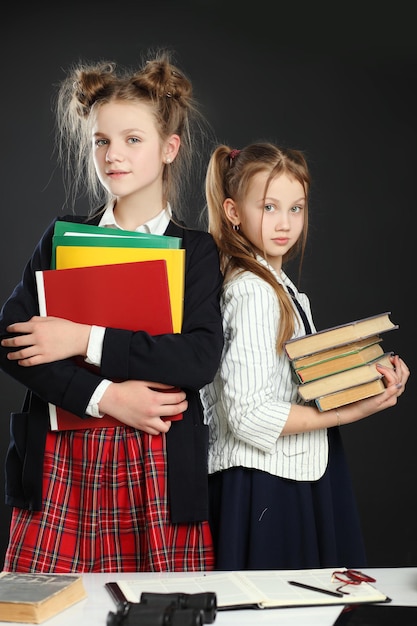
351	577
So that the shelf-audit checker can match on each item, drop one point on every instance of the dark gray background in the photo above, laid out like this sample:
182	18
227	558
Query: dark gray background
336	80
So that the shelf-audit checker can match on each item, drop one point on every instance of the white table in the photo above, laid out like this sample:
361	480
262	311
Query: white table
400	584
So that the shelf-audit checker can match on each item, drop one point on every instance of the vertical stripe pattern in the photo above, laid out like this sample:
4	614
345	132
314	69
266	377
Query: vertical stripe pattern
247	404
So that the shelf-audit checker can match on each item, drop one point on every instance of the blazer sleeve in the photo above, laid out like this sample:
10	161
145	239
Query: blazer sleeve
188	359
63	383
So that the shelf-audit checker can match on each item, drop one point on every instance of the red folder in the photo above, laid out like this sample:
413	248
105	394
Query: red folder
132	296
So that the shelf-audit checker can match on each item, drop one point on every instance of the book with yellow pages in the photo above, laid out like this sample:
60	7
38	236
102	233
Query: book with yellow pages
339	335
339	363
351	394
251	589
334	352
34	598
343	380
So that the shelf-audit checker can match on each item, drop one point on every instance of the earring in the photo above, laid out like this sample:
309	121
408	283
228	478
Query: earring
168	160
236	227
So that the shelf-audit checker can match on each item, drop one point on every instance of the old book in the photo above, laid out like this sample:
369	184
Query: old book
34	598
251	589
334	352
351	394
339	335
339	363
343	380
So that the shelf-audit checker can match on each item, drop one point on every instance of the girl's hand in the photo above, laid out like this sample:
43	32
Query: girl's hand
46	339
395	380
302	418
139	404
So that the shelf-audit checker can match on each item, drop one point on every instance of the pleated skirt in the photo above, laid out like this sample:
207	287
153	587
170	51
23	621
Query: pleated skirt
105	509
260	521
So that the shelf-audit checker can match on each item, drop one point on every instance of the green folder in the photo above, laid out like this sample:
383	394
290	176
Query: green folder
88	229
74	234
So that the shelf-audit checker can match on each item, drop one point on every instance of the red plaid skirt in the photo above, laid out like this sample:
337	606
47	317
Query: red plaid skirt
105	509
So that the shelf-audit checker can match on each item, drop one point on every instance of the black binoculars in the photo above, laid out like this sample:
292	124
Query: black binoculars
166	609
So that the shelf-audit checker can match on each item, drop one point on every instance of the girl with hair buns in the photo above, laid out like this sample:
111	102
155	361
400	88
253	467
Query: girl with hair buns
134	497
279	488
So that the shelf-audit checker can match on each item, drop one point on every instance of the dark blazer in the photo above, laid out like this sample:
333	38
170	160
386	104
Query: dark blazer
188	360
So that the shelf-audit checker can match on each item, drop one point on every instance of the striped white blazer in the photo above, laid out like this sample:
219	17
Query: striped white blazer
247	404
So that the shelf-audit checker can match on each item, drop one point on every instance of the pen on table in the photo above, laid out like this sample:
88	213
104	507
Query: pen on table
337	594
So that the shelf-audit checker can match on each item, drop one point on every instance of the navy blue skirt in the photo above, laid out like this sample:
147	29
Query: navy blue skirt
260	521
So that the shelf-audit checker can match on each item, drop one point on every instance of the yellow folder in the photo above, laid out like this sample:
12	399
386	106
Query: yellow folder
80	256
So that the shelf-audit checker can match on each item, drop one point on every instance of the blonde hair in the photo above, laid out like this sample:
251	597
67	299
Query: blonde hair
158	83
229	174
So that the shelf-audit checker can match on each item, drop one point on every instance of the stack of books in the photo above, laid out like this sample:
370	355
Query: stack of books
337	366
80	245
111	278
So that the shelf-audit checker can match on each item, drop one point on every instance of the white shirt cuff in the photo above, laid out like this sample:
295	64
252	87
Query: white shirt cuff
92	408
95	345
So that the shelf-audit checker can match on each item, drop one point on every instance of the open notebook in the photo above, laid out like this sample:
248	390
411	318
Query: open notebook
251	589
